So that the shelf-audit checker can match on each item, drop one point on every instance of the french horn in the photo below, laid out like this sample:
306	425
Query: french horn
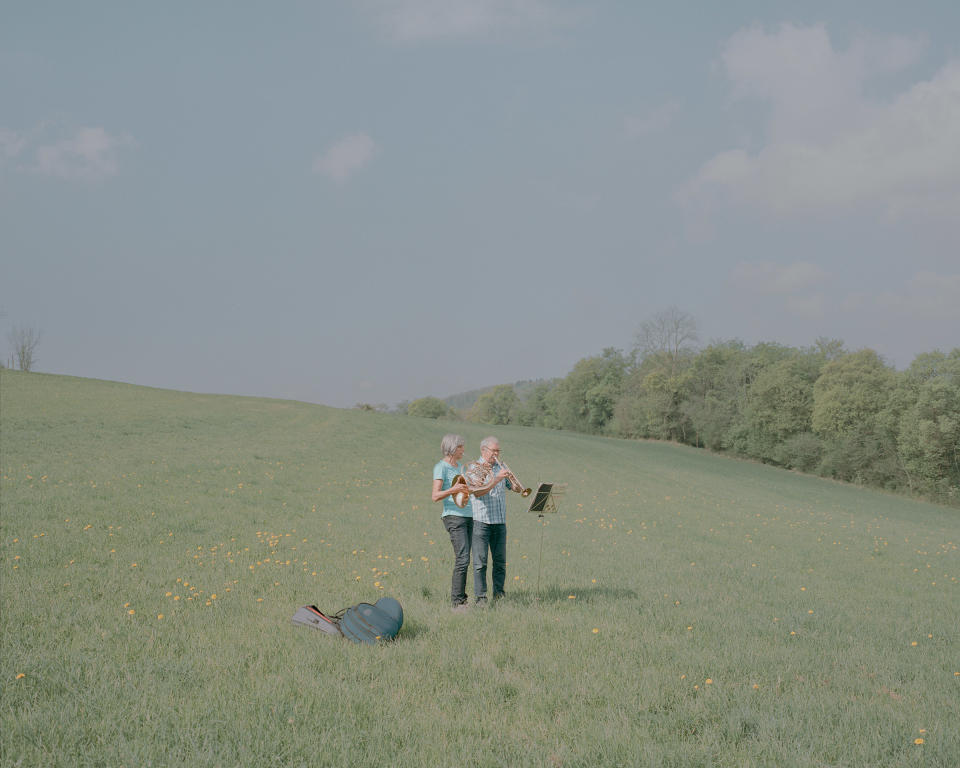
477	474
460	498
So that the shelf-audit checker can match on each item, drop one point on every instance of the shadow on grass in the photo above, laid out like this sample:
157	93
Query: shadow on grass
411	629
555	594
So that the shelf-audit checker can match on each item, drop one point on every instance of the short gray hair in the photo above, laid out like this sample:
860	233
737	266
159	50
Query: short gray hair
488	441
450	443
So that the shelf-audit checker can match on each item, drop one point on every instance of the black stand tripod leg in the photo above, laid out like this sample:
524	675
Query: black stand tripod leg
540	559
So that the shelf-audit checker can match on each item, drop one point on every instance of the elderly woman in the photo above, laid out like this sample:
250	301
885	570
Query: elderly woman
458	521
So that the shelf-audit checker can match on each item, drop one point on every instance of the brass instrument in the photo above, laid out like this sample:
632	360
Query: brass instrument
477	474
515	481
460	498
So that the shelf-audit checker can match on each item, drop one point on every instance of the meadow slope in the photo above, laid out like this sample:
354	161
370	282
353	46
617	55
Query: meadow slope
693	610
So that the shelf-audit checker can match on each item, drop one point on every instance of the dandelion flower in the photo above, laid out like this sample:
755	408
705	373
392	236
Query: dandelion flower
918	741
596	630
159	617
20	676
708	681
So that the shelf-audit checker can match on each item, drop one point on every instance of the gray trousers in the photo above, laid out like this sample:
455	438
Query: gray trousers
492	537
461	535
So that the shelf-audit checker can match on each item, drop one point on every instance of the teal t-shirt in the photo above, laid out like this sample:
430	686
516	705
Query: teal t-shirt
445	472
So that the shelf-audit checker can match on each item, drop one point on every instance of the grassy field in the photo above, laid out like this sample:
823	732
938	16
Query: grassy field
693	610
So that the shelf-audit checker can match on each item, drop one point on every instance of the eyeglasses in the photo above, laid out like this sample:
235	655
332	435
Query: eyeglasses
492	450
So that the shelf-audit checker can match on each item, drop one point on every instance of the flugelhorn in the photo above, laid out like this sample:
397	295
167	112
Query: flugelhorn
515	481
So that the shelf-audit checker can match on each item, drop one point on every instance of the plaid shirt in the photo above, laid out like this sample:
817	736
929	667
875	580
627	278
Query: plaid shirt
492	508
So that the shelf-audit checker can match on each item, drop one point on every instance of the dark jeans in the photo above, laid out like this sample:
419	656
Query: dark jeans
461	534
492	536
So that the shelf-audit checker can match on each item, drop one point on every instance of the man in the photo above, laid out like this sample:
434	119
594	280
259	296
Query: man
489	519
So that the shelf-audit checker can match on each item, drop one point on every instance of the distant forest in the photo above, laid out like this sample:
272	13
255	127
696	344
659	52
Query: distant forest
821	409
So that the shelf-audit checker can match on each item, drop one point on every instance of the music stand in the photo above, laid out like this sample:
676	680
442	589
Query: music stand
546	499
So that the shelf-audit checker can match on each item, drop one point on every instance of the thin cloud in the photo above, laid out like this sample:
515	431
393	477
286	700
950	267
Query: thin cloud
927	295
415	20
923	312
654	122
826	146
771	278
11	144
344	158
91	154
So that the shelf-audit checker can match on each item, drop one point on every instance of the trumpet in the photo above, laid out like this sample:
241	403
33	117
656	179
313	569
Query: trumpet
515	481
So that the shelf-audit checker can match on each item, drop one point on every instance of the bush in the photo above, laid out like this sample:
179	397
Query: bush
430	408
803	452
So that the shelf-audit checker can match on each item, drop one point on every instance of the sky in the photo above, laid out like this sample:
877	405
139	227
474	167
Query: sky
379	200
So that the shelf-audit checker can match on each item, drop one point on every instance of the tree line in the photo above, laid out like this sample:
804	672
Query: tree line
820	409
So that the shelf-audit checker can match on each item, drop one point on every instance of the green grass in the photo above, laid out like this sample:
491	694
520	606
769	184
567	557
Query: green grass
826	617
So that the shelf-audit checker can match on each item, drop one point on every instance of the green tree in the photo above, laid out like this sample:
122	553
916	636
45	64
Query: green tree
712	387
850	392
651	405
539	409
746	371
780	406
586	398
495	407
928	442
850	399
429	408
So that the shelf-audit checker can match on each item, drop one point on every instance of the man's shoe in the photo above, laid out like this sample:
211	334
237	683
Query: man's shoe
481	602
461	608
